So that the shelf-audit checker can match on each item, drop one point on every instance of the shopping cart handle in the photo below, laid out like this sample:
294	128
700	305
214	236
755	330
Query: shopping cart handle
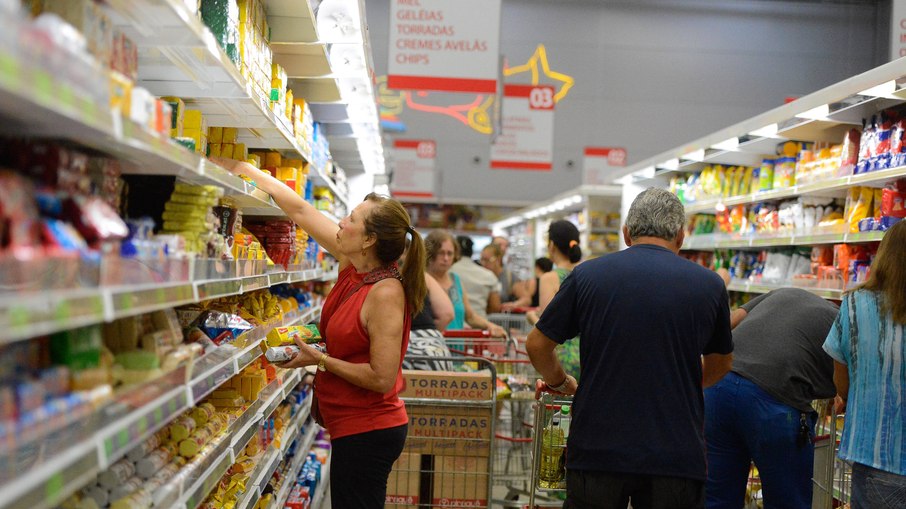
466	333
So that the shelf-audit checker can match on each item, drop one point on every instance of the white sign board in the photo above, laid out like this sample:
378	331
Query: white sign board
897	29
444	45
413	168
599	162
526	140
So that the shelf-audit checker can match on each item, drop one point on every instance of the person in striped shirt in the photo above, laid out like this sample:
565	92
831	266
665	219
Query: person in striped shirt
868	344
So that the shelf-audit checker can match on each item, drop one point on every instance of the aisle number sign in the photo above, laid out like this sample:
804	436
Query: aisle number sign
599	163
444	45
413	168
526	141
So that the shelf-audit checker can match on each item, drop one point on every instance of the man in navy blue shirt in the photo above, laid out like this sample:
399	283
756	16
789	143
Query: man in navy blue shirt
646	317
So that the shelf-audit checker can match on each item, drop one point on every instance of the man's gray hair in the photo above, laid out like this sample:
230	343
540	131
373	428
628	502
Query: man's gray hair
657	213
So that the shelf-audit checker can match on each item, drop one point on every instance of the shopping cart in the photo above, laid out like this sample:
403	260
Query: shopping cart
511	467
832	479
449	447
513	322
551	428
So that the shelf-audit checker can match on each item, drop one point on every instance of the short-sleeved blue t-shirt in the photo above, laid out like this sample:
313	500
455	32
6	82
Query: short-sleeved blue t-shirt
645	316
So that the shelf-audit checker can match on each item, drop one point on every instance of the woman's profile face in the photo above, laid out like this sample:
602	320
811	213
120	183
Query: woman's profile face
443	260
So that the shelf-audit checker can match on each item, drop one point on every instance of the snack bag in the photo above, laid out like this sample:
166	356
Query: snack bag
285	335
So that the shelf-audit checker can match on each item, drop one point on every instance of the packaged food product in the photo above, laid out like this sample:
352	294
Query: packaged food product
203	413
181	428
286	335
152	463
192	445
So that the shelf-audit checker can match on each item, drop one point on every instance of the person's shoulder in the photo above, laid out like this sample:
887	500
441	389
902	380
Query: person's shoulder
389	288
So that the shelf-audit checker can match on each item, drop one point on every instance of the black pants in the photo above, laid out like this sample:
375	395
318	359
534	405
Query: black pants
360	465
603	490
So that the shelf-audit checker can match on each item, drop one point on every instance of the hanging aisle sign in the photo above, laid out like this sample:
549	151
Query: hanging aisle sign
413	168
526	141
598	164
444	45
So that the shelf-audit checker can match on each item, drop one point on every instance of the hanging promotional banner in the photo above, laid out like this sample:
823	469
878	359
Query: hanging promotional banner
897	29
413	168
598	164
444	45
526	140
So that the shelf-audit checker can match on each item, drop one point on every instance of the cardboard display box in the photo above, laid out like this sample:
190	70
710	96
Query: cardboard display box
448	385
403	483
460	482
451	430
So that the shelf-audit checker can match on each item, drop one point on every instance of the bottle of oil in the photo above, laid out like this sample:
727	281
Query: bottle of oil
552	474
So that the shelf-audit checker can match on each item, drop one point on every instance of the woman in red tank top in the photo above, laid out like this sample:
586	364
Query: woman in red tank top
365	322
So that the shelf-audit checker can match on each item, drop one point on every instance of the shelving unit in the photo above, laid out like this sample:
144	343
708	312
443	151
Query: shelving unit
823	116
26	316
93	442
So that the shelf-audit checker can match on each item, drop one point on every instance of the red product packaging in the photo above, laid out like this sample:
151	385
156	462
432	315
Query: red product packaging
893	203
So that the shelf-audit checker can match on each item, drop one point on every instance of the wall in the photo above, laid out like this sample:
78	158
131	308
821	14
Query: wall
649	74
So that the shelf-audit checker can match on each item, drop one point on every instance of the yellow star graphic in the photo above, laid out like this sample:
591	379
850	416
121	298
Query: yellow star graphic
539	59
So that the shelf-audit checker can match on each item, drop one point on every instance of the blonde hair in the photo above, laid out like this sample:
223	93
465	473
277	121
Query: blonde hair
888	273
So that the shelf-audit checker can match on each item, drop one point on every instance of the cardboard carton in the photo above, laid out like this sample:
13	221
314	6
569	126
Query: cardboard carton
403	483
448	385
460	482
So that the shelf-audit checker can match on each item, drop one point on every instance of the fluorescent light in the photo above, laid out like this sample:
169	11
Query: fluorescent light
730	144
339	21
695	155
883	90
768	131
576	199
819	113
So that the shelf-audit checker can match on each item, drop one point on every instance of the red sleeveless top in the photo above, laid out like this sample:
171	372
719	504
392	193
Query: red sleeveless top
346	408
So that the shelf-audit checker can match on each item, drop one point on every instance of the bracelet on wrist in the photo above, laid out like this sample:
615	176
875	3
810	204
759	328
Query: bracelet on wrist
561	386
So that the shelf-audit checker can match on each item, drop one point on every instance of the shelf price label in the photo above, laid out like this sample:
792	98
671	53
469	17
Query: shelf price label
413	168
598	164
526	141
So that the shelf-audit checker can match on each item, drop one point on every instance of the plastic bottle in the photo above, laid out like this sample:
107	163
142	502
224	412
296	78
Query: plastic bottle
552	472
566	418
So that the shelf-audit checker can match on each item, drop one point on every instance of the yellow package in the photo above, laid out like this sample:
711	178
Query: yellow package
240	152
230	134
194	119
120	93
198	190
279	336
878	200
203	413
192	445
214	149
226	150
272	160
215	135
859	202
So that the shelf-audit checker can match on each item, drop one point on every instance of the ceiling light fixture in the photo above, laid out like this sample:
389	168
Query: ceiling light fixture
883	90
727	145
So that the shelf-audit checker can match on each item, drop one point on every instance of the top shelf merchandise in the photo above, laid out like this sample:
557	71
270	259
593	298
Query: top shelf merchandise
826	170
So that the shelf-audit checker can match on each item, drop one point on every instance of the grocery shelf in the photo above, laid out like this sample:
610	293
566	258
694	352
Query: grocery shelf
798	238
39	313
317	500
79	450
748	287
293	472
180	57
827	187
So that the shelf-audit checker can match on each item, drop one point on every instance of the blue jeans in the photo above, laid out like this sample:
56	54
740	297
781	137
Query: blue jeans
877	489
743	424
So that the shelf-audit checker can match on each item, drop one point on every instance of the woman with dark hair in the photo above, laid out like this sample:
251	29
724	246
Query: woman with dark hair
563	249
868	346
365	323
